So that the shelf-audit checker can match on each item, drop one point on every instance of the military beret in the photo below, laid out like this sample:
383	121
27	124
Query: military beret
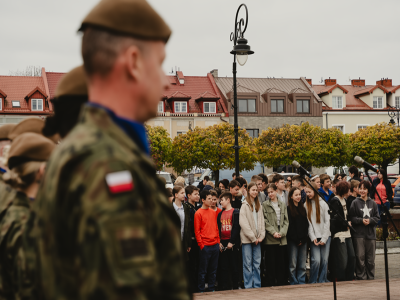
5	130
135	18
29	146
73	83
30	125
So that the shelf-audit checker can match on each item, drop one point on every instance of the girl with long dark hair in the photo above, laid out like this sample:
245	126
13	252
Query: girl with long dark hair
319	234
297	236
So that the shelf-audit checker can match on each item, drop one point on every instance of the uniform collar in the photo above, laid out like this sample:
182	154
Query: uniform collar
136	131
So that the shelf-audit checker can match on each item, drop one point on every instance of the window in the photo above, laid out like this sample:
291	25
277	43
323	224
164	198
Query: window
180	132
1	103
303	106
252	132
359	127
180	107
277	106
209	107
378	102
15	104
397	102
337	102
340	127
248	105
37	104
160	106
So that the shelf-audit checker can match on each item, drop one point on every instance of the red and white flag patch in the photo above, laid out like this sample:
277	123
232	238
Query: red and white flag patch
119	182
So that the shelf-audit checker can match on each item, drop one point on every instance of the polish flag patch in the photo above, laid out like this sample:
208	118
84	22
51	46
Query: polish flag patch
119	182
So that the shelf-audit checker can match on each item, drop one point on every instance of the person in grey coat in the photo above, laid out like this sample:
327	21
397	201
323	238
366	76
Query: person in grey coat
364	217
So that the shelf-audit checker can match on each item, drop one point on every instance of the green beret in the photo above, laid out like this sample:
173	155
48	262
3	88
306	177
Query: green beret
5	130
135	18
73	83
29	146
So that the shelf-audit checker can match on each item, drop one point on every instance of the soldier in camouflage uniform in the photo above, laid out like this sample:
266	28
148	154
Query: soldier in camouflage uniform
26	164
105	228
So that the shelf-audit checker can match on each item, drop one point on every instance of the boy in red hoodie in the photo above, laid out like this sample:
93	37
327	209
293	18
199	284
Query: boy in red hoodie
207	236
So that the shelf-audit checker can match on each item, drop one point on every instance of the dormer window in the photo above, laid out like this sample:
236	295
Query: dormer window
378	102
37	104
209	107
277	106
160	107
337	102
248	105
1	103
181	107
15	104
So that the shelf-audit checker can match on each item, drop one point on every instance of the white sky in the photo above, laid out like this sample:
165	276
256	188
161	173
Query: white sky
340	39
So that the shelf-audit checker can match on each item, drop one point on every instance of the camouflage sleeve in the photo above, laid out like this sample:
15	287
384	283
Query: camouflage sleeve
113	237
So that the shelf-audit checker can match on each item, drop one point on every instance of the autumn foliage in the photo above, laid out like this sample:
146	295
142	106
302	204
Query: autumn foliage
160	145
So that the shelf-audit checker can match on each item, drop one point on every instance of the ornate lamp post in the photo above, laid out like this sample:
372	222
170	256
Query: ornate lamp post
394	112
240	52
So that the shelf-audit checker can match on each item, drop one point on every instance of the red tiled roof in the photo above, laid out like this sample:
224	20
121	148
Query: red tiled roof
194	87
370	89
52	80
36	89
17	88
179	95
207	95
329	89
3	94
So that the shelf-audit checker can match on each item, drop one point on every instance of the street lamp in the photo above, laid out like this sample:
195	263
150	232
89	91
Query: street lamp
240	52
394	112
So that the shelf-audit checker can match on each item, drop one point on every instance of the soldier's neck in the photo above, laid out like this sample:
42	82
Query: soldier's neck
31	191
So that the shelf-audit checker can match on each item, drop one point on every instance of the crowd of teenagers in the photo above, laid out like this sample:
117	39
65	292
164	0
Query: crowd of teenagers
268	232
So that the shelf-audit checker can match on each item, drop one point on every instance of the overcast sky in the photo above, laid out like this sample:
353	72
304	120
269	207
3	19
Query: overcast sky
340	39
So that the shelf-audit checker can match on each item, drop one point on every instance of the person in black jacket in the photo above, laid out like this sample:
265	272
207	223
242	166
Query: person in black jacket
343	260
229	233
384	188
297	237
203	183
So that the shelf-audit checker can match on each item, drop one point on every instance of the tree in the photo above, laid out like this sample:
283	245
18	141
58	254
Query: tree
160	145
212	148
308	144
378	144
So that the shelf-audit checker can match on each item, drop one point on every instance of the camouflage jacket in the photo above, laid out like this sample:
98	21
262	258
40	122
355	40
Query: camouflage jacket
104	227
11	227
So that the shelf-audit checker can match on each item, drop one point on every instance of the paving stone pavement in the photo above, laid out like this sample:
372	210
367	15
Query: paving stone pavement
350	290
365	290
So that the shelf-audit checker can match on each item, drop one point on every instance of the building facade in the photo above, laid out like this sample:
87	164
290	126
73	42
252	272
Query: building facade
190	101
356	106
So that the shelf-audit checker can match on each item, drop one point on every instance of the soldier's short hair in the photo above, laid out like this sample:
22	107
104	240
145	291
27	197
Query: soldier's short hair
100	49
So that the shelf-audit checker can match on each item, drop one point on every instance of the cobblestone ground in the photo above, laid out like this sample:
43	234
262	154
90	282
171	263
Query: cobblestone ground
374	289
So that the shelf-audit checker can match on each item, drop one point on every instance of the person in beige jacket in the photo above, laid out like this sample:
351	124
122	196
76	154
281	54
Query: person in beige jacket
252	233
276	226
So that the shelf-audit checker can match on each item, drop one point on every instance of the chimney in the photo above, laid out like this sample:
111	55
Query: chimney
385	82
329	82
214	73
181	78
358	82
309	81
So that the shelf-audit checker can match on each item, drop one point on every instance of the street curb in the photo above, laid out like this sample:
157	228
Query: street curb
390	244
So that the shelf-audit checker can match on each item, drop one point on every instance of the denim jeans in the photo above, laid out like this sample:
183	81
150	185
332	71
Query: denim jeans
251	265
297	262
319	262
208	263
380	209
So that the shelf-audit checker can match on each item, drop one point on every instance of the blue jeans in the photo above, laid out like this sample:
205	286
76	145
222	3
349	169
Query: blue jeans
297	262
380	209
208	263
251	265
319	262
